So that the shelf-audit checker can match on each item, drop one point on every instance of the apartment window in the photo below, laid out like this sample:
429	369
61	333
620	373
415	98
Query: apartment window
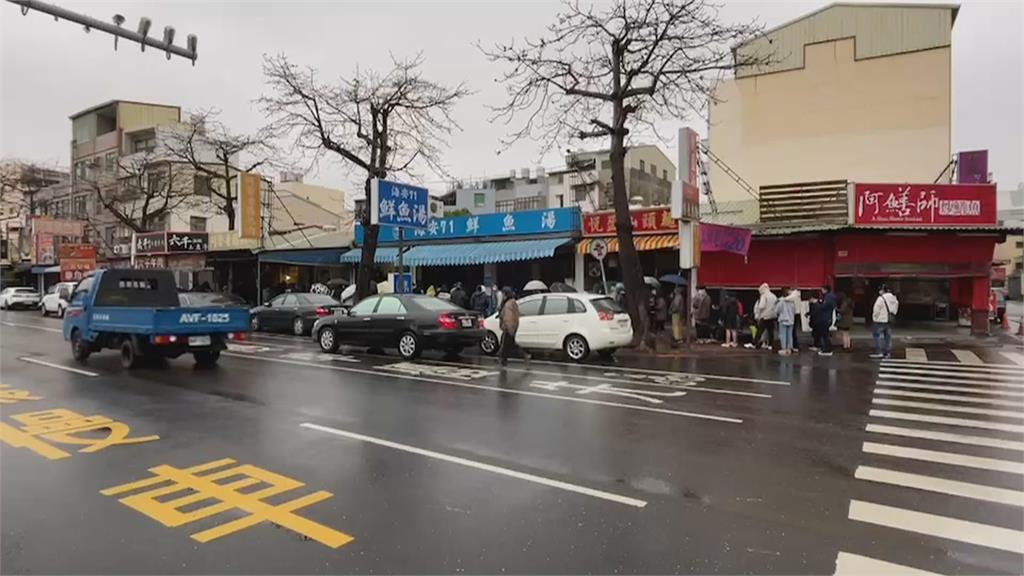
197	224
582	194
561	178
643	166
155	182
79	206
654	170
606	164
108	235
201	185
560	200
479	200
110	162
664	174
1020	243
144	144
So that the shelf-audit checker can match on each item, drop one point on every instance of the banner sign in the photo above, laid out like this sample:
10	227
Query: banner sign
645	221
972	167
172	243
719	238
68	228
250	204
81	251
45	253
925	204
555	220
399	205
76	261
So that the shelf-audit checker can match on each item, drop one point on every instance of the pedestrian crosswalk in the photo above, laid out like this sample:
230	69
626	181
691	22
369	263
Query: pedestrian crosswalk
947	424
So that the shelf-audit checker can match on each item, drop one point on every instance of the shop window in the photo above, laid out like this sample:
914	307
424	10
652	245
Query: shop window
197	224
530	307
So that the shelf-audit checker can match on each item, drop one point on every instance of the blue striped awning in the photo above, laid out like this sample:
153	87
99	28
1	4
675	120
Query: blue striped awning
315	257
381	256
482	252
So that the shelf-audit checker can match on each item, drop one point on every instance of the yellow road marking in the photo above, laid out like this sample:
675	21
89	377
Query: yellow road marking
62	426
197	486
15	395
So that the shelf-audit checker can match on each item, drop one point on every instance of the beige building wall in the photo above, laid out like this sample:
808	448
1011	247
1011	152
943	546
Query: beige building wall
135	116
330	198
884	119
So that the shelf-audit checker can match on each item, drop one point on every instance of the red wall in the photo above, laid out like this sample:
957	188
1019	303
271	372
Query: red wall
804	262
930	249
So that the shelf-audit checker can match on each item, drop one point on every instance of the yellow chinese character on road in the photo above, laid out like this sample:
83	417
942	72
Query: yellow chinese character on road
222	482
65	427
14	395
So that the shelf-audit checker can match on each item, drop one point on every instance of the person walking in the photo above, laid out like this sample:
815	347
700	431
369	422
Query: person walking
882	315
785	311
731	320
844	321
701	307
508	321
660	312
677	308
765	316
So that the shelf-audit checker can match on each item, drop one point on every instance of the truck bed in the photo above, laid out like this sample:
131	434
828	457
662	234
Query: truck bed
176	321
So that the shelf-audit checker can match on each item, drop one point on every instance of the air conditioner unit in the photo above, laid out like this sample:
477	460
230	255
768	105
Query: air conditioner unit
436	208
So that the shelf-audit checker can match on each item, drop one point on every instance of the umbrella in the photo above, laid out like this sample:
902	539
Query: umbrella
338	282
562	287
348	292
535	286
674	279
651	281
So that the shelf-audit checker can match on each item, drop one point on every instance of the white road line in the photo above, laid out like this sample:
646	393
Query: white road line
967	357
949	458
940	526
945	437
856	565
482	466
940	485
33	327
949	388
680	386
1019	415
494	388
946	420
1005	368
959	380
916	355
652	371
954	397
1014	357
887	371
31	360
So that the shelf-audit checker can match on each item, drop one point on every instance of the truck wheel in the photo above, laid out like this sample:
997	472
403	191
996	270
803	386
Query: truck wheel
79	349
207	358
130	355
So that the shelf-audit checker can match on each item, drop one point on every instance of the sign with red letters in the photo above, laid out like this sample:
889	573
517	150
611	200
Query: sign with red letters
924	204
645	221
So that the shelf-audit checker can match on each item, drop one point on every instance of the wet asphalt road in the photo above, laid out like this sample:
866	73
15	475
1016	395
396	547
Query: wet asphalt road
717	462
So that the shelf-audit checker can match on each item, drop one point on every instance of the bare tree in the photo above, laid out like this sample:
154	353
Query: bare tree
380	124
599	73
143	190
211	149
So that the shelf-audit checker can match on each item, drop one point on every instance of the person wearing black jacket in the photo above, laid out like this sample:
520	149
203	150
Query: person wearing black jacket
459	296
821	321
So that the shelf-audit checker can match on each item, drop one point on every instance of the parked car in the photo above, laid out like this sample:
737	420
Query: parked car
138	313
56	299
577	324
411	323
11	298
293	311
192	299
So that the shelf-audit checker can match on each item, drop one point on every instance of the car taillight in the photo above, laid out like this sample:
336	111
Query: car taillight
447	322
323	311
602	315
480	322
73	313
237	336
170	339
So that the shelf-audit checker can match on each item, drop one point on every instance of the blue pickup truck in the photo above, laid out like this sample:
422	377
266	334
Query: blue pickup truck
138	312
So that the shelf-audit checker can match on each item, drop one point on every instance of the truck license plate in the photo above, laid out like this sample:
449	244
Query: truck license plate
198	340
467	322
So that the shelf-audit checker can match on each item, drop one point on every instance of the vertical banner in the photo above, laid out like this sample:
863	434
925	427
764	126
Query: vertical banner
972	167
249	199
45	253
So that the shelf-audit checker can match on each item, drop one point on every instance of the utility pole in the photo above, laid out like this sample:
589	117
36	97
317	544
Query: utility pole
141	36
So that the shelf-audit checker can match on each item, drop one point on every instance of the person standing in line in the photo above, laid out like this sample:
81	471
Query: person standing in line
508	321
731	320
478	302
795	298
677	308
702	314
845	320
882	314
660	311
765	316
785	311
822	315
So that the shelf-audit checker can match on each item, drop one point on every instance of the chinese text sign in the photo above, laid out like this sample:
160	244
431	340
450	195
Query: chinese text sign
925	204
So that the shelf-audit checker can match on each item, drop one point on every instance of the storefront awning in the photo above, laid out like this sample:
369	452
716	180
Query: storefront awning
320	257
482	253
382	255
642	243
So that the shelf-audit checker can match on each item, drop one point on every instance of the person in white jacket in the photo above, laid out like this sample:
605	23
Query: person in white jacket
800	312
882	314
765	315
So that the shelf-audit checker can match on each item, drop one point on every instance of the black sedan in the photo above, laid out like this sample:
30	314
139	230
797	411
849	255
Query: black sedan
295	312
411	323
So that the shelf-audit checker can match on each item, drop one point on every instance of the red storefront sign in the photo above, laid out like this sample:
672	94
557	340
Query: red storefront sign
76	260
925	204
645	221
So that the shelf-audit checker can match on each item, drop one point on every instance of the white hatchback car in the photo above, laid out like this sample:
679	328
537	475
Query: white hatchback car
19	298
577	324
56	299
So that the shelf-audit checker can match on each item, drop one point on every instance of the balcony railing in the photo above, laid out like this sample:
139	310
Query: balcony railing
824	202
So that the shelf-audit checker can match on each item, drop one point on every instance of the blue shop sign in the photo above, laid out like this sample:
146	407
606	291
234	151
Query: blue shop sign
527	222
399	205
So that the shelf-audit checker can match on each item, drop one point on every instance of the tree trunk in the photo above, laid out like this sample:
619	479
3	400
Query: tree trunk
364	275
629	262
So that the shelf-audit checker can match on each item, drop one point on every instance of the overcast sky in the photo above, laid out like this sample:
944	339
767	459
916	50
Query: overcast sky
53	69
